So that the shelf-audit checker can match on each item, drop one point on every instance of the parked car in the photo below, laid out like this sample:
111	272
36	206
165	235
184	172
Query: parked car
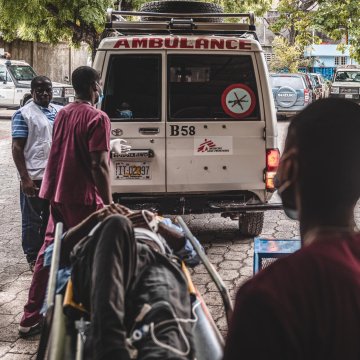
310	82
15	79
291	93
317	87
346	83
322	84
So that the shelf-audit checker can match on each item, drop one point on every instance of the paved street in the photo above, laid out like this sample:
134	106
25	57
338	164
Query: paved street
229	252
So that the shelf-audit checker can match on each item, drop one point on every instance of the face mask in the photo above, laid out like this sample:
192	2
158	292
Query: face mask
287	194
286	191
100	99
101	95
291	214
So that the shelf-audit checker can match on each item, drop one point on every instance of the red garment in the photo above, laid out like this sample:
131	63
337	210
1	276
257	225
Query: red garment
70	216
305	306
79	129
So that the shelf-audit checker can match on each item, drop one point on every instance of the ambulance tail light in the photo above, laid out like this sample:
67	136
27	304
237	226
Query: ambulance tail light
272	163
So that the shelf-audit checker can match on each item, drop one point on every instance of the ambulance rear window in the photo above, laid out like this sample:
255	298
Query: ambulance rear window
212	87
132	90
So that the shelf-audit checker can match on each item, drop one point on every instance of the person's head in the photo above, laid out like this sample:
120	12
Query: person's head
41	90
26	98
319	171
85	81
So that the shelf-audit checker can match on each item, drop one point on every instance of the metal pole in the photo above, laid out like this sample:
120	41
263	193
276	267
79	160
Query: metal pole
210	268
54	265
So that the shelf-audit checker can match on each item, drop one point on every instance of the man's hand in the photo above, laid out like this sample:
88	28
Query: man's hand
175	239
28	187
112	209
142	218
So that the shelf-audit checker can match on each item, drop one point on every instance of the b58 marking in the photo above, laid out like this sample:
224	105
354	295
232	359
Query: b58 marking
184	130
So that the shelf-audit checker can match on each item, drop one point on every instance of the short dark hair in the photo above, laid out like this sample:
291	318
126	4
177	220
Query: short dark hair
83	77
38	79
327	137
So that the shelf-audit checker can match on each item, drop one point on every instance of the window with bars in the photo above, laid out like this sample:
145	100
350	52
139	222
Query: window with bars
340	60
269	57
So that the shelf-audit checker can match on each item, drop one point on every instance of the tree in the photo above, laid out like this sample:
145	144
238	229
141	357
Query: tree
337	19
52	21
75	21
341	21
296	21
259	7
287	56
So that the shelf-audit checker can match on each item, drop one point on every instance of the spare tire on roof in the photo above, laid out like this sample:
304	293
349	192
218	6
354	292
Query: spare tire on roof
181	6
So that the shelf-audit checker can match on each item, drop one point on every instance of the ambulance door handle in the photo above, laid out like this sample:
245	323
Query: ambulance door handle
149	131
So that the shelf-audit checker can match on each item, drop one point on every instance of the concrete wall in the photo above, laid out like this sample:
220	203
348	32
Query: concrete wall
56	62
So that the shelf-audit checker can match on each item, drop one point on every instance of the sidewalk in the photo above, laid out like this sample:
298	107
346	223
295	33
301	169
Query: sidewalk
15	276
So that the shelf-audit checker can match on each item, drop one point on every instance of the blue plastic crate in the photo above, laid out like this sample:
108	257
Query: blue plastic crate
266	251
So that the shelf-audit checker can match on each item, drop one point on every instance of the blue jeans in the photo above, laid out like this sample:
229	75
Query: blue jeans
35	215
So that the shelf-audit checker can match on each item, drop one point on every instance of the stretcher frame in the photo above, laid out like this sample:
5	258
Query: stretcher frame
63	338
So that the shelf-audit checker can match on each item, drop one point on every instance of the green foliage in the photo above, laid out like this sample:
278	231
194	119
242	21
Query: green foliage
337	19
259	7
53	21
295	21
286	56
77	20
340	19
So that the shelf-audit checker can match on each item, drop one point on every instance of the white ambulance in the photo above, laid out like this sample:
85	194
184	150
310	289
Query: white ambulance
190	94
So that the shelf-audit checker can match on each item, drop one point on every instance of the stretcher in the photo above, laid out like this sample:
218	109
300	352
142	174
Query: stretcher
66	324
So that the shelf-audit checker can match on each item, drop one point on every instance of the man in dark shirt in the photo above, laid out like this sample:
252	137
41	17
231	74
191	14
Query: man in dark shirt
307	305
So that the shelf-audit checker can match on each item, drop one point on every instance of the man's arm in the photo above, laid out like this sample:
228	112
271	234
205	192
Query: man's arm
18	146
175	239
100	171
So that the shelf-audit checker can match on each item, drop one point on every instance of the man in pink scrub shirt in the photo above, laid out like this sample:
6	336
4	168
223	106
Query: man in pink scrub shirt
76	180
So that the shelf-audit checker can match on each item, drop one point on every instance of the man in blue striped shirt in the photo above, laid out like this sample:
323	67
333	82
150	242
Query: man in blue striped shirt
31	140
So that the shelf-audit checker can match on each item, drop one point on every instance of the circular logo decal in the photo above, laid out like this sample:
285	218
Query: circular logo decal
238	101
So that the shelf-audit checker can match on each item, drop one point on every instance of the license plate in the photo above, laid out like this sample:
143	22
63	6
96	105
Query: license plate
348	96
71	99
132	171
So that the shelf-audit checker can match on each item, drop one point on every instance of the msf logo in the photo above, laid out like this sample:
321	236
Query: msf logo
206	146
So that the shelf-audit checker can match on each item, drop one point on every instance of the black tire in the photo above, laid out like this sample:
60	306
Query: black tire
181	6
251	224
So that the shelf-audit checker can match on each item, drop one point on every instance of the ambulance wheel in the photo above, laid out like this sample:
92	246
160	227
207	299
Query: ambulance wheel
181	6
251	224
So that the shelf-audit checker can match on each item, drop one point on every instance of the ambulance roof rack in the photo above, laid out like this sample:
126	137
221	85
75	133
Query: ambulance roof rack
179	23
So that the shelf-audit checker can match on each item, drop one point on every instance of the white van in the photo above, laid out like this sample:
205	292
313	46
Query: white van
192	98
15	79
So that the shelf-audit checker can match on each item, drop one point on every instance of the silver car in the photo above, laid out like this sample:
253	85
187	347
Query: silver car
291	93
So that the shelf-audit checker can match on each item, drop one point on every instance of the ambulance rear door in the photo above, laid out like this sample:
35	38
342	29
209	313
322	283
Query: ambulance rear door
133	101
215	130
